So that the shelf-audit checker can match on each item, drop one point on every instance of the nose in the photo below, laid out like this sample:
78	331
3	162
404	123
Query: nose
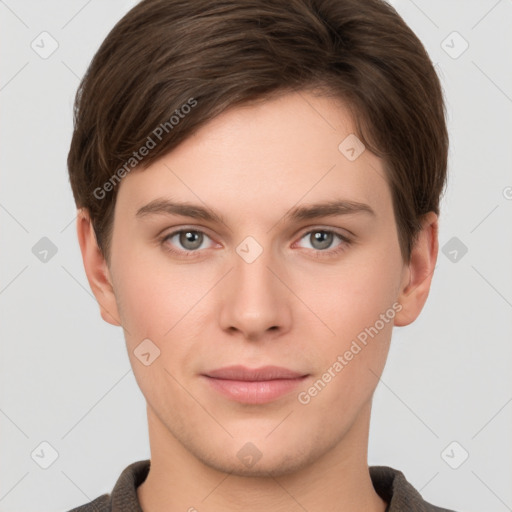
255	302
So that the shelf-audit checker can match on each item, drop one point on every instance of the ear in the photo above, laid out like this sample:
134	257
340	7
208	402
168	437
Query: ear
419	271
96	269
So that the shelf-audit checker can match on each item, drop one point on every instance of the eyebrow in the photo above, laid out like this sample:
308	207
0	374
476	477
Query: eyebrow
166	207
328	209
297	213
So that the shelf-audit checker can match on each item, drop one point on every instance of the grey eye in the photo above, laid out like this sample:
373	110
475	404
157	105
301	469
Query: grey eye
321	239
191	240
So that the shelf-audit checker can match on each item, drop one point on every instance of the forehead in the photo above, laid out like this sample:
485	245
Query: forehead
262	157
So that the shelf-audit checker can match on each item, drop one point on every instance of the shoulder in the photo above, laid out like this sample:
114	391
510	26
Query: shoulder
124	494
100	504
393	487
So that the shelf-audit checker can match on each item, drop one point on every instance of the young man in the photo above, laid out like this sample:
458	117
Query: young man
258	187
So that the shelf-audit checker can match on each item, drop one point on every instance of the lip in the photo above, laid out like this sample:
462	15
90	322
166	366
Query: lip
254	385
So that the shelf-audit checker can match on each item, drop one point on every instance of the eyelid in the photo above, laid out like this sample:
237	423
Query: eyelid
184	229
345	234
172	230
345	242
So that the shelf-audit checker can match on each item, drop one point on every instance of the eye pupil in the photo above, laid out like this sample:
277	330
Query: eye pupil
191	239
321	239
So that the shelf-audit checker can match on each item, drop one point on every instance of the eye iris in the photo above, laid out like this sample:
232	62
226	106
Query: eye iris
321	239
191	239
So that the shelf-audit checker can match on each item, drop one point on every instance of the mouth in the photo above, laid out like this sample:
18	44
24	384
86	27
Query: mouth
254	386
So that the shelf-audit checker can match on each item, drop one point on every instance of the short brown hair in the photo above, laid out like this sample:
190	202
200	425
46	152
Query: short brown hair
164	55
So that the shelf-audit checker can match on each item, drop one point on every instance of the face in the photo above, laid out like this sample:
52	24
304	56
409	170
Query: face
257	243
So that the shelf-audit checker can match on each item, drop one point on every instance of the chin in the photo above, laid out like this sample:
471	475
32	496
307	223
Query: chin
276	467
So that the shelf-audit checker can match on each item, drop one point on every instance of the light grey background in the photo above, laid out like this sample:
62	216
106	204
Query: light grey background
64	373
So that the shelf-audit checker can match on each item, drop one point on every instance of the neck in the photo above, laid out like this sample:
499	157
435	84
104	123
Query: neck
337	481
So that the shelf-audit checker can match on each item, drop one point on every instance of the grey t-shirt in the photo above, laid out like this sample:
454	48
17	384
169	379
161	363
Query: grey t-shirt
389	483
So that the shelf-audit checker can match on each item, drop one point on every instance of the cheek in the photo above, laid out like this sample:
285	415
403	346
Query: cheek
156	302
154	295
357	304
352	296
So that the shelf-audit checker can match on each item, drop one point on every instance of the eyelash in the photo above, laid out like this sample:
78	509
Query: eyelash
318	253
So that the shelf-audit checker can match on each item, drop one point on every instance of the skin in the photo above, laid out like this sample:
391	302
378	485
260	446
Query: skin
298	305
